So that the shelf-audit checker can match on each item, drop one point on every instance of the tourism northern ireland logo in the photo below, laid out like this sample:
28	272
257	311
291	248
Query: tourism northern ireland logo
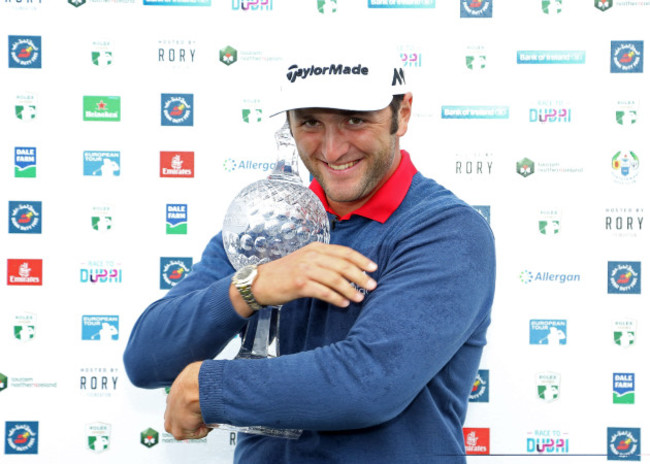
176	219
603	5
173	270
4	381
627	56
525	167
149	437
476	8
21	437
24	272
25	217
102	108
176	164
25	51
177	109
624	277
99	436
25	162
480	392
228	55
623	444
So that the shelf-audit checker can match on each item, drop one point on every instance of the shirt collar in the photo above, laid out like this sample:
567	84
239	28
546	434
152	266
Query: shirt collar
385	200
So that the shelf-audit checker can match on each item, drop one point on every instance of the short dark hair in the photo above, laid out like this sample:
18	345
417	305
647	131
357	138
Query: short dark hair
395	105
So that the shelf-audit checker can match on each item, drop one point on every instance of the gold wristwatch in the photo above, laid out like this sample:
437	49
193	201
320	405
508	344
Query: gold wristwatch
243	281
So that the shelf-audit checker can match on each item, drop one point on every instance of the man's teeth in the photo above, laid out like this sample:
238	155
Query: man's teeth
341	167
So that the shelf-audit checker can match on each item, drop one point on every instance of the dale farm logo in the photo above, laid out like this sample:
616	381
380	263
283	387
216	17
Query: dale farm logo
98	435
176	223
603	5
21	437
24	272
476	8
176	164
480	392
25	51
477	440
101	163
25	162
100	328
149	437
525	167
624	277
173	270
624	332
623	444
176	109
228	55
102	108
25	217
627	56
623	388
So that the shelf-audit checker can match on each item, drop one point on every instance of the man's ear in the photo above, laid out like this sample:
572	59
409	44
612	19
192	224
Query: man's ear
404	114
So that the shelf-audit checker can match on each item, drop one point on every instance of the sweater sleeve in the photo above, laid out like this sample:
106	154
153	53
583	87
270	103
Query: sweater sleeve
194	321
425	322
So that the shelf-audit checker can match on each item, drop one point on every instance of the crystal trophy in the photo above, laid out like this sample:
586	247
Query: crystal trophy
267	220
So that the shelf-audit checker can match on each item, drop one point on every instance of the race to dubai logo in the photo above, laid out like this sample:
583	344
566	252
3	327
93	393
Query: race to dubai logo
25	217
252	5
627	56
480	392
326	6
603	5
173	270
623	444
98	435
548	332
477	440
544	441
525	167
100	272
176	109
475	8
627	112
24	51
624	277
102	108
228	55
26	106
21	437
625	166
100	328
624	332
24	326
552	7
101	54
101	163
25	162
24	272
176	164
623	388
548	386
176	221
149	437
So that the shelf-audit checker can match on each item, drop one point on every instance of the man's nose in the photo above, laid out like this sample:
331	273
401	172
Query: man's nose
334	144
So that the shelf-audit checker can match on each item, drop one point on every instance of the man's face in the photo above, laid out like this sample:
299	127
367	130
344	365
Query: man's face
351	154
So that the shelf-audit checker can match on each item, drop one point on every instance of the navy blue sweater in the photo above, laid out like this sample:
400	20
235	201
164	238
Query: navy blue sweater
382	381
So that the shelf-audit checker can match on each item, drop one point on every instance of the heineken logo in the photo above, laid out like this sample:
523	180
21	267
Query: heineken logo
101	108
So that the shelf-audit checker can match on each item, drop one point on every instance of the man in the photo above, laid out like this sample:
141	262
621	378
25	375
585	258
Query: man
382	329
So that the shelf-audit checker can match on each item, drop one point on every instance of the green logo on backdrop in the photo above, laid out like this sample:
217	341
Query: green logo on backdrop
102	108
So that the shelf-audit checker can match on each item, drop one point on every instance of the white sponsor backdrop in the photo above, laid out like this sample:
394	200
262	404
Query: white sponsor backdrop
64	383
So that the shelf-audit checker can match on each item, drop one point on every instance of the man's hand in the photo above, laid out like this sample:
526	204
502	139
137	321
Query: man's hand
183	417
318	270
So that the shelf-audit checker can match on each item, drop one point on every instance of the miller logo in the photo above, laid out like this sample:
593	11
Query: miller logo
177	109
623	444
480	392
603	5
25	162
624	277
548	386
525	167
176	164
24	272
21	437
228	55
149	437
99	436
627	56
24	51
624	332
173	270
25	217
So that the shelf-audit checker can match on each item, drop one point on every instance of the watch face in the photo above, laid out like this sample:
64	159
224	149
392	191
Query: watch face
245	272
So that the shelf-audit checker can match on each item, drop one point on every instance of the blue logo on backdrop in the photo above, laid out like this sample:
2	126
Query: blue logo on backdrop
24	51
401	3
623	444
548	332
624	277
21	437
483	210
100	328
25	217
102	163
475	8
480	392
475	112
627	56
551	56
25	161
178	2
177	109
173	270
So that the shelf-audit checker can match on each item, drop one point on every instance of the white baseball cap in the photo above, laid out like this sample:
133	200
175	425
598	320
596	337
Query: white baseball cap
339	78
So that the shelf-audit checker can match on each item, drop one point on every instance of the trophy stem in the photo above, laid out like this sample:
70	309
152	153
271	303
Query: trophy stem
261	339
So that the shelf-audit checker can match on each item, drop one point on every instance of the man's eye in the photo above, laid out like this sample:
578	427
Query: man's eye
310	123
353	121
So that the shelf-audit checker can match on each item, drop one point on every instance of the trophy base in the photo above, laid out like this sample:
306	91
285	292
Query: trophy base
261	430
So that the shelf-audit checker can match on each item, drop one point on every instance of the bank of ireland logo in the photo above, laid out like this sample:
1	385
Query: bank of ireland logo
476	8
102	108
177	109
480	392
624	332
552	7
603	5
623	444
326	6
525	167
24	51
625	166
4	381
228	55
548	386
623	388
176	223
21	437
25	217
149	437
24	326
624	277
627	56
98	436
173	271
25	162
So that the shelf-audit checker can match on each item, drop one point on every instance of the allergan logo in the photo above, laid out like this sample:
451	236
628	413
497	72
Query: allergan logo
173	270
149	437
24	272
228	55
25	217
24	51
102	108
624	444
624	277
176	164
475	8
627	56
230	165
21	437
177	109
548	386
25	162
528	277
623	388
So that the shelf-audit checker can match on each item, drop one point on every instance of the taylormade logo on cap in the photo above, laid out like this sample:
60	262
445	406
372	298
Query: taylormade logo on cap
296	71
